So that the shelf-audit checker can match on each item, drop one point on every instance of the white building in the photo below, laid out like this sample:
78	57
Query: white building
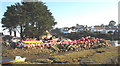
72	29
78	28
104	29
65	30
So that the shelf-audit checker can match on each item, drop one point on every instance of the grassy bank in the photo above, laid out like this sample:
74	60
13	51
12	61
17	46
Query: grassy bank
92	56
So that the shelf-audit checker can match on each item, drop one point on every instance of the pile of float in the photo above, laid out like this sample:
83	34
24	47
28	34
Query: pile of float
66	44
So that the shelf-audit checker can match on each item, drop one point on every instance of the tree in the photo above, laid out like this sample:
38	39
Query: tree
77	24
86	29
102	25
40	19
31	18
56	31
110	32
112	23
9	19
73	27
97	32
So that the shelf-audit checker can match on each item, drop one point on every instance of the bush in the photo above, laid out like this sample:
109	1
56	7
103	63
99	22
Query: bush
110	31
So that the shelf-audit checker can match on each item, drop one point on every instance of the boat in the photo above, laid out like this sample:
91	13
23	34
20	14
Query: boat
17	59
115	43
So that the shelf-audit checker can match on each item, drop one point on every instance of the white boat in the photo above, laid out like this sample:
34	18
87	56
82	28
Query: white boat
115	43
17	59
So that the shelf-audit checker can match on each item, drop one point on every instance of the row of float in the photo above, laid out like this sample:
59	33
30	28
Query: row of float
49	43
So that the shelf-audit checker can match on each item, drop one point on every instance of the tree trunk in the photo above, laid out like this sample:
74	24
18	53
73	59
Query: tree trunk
21	33
14	33
10	31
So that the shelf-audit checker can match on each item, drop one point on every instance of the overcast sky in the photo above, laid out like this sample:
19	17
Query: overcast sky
71	12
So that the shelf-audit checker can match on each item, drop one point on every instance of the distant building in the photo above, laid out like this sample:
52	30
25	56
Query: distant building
65	30
103	29
80	28
98	28
76	28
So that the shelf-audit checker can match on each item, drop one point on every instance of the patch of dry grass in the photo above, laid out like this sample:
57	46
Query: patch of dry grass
102	57
83	56
89	56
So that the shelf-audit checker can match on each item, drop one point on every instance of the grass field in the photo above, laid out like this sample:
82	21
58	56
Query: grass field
106	55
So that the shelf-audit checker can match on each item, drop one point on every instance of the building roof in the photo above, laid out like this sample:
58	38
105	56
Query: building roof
105	27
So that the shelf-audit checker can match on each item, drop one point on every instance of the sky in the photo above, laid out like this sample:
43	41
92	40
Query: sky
68	13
